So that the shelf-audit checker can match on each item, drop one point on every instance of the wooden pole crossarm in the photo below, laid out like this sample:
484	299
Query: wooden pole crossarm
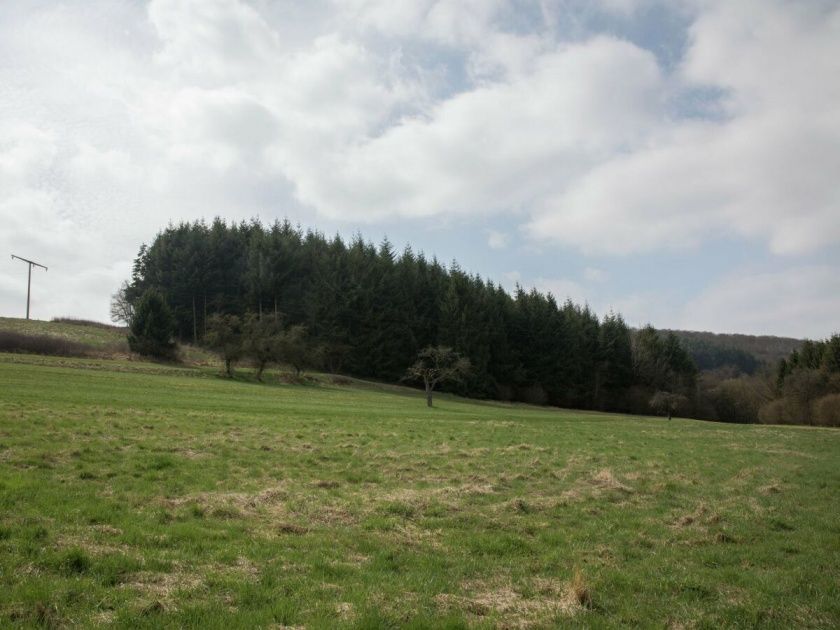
31	262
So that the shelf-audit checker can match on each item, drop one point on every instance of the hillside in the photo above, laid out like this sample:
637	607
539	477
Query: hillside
139	495
95	335
92	339
711	350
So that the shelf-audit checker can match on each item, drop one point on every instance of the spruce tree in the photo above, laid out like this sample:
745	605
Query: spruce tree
152	327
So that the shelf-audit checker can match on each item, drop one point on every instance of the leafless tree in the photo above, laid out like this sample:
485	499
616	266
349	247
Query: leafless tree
437	364
121	309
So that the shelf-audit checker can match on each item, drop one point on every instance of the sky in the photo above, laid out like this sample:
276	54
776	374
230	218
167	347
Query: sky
677	161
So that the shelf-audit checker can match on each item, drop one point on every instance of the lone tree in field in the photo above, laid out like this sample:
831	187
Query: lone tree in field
152	327
224	335
437	364
666	403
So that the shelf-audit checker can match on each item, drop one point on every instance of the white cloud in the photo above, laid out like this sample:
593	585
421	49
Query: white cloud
25	152
593	274
213	41
563	289
511	279
795	302
496	239
767	171
456	22
118	117
500	146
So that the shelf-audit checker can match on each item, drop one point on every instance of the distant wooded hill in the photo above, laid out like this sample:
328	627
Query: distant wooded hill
746	353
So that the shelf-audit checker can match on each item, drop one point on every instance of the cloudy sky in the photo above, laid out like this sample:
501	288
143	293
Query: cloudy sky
677	161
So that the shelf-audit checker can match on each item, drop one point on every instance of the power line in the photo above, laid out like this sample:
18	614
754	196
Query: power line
31	264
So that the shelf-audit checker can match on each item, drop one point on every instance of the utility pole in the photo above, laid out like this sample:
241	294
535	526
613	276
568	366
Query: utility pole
31	264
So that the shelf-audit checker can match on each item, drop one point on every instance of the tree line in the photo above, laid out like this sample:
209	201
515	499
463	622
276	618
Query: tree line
807	387
369	311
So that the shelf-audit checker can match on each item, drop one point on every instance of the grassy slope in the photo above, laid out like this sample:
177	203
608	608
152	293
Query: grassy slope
144	496
95	336
105	341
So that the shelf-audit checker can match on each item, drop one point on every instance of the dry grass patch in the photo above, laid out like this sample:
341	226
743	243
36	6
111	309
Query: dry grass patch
695	517
345	611
529	504
269	496
241	568
705	525
190	453
516	447
291	528
606	480
408	534
769	489
357	559
107	529
474	452
539	604
271	501
161	588
420	499
94	548
602	482
104	618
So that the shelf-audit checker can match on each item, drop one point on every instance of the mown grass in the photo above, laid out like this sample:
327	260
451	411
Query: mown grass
143	496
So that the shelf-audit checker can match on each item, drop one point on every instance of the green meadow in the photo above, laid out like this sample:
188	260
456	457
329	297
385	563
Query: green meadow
139	495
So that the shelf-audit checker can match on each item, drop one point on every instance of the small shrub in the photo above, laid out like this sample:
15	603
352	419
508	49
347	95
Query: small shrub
42	344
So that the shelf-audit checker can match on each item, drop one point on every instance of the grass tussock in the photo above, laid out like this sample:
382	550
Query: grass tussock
579	590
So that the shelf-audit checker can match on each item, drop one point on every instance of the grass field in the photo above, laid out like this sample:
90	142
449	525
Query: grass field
139	495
